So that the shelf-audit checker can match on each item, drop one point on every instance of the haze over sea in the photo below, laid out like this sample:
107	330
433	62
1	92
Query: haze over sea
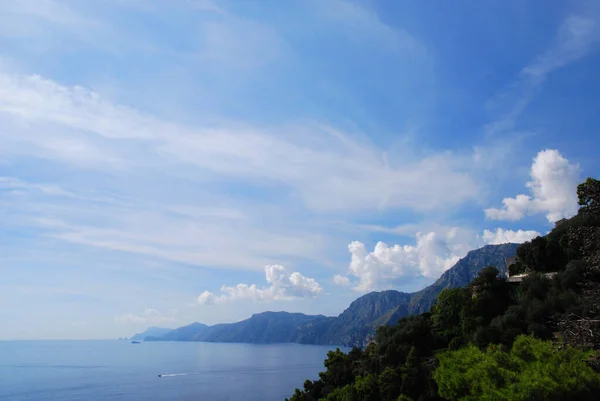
118	370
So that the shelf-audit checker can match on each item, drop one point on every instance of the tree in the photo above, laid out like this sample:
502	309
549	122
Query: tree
541	254
448	313
389	384
532	370
491	297
588	194
338	369
412	376
367	388
346	393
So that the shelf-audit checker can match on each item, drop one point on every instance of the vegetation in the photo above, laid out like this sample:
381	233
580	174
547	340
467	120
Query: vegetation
494	339
532	370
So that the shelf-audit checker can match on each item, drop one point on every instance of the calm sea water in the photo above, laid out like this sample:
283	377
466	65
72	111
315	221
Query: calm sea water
119	370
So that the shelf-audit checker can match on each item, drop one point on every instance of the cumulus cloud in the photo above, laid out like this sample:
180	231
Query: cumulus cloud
148	316
502	236
341	280
433	253
283	285
552	186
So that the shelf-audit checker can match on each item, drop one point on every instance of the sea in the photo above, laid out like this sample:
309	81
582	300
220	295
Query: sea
99	370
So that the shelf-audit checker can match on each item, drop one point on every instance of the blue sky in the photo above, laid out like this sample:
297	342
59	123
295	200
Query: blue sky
193	160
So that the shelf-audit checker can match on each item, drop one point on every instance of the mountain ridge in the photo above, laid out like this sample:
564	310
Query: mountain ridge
357	322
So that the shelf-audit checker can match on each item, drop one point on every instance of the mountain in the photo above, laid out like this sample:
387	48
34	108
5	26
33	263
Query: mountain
191	332
266	327
151	332
462	273
357	322
361	317
376	309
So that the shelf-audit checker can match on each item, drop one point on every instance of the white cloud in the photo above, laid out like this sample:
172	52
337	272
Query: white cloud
514	209
431	256
434	252
341	280
148	316
283	286
207	298
502	236
553	190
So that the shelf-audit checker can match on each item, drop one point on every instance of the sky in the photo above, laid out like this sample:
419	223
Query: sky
169	162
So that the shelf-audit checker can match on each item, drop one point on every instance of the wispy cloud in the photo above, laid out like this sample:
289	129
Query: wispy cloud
576	37
30	17
239	44
365	25
357	176
190	234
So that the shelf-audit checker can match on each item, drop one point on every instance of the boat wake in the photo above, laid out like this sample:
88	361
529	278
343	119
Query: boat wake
177	374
